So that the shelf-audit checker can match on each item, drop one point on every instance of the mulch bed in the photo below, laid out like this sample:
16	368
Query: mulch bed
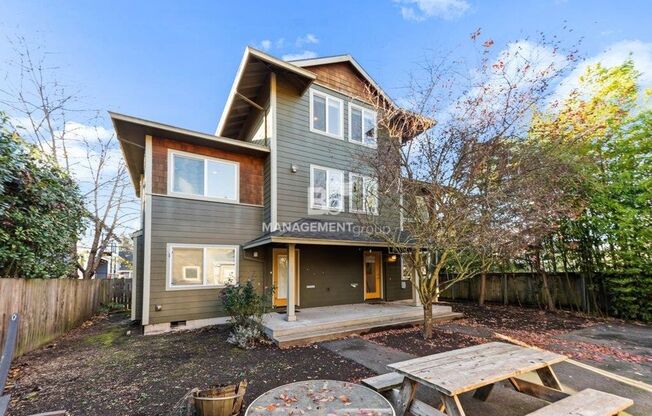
481	324
98	369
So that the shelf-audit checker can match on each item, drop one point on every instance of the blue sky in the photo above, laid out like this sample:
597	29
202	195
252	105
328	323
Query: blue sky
174	62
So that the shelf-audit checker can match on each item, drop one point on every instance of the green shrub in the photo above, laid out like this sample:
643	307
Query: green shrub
246	309
244	305
41	212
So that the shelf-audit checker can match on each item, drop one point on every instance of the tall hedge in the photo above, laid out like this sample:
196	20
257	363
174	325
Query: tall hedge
41	212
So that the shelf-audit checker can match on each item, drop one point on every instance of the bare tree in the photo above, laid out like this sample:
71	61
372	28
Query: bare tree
456	182
52	118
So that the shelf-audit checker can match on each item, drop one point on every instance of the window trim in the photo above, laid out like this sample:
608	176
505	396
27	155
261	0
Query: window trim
326	97
364	196
312	192
205	159
168	266
402	276
362	111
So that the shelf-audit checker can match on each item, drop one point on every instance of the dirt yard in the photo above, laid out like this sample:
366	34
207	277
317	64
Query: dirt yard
552	331
98	369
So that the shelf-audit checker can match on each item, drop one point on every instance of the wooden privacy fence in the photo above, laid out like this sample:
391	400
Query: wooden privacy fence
49	308
567	289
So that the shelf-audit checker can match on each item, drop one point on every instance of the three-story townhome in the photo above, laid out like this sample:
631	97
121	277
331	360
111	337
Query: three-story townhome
272	197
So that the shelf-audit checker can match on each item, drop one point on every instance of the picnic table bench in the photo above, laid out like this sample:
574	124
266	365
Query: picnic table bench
477	369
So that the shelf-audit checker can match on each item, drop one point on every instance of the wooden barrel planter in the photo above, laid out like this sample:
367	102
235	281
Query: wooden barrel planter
220	400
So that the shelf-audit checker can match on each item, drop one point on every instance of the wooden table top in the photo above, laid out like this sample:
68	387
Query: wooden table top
321	397
467	369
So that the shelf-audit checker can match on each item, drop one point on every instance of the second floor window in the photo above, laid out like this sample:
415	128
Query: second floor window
326	188
362	125
326	114
204	177
363	197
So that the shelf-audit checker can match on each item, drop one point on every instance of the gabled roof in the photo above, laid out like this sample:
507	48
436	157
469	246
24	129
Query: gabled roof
303	63
251	76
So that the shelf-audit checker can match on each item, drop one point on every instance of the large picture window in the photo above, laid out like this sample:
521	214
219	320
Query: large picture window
326	114
198	266
363	194
199	176
326	188
362	126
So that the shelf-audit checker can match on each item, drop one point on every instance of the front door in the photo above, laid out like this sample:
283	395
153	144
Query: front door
280	276
372	272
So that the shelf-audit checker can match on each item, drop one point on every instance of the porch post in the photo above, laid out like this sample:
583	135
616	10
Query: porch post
292	261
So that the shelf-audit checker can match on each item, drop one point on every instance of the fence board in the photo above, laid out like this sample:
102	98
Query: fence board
50	307
521	289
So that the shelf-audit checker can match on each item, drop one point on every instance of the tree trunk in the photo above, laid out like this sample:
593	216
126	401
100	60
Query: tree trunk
427	320
546	291
550	304
483	288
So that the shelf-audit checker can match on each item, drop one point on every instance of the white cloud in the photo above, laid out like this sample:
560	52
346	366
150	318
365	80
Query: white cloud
266	44
640	52
419	10
307	39
300	55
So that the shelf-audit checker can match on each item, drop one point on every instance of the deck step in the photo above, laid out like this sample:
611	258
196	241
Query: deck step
401	316
309	336
588	402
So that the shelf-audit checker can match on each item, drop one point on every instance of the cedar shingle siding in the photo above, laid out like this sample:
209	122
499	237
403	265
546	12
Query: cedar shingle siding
251	168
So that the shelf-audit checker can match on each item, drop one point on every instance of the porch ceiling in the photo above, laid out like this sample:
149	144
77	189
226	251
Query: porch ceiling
322	232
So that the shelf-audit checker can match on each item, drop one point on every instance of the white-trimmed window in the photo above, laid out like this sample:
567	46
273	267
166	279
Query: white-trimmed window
204	177
192	266
326	114
326	188
363	194
362	126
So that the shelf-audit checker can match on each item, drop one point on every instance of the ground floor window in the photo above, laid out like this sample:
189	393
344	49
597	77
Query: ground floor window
192	266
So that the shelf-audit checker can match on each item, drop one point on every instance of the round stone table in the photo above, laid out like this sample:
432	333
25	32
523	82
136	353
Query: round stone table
320	397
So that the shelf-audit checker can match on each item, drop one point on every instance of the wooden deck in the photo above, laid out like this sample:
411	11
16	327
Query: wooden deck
330	322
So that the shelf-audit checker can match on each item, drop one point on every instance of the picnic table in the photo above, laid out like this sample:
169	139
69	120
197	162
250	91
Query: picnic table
321	397
478	368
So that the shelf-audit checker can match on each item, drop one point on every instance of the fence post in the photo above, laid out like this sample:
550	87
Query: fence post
505	294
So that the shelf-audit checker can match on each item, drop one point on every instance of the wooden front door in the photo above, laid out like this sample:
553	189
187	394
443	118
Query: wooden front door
372	269
280	276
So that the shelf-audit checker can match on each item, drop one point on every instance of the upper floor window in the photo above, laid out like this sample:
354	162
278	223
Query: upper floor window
326	188
192	266
326	114
362	125
363	194
199	176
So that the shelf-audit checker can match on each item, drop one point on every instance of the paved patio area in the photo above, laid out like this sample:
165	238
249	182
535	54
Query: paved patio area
329	322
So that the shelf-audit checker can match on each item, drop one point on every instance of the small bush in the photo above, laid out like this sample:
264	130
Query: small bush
246	309
245	337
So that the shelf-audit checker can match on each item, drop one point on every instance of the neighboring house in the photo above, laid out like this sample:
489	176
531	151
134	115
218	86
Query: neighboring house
256	201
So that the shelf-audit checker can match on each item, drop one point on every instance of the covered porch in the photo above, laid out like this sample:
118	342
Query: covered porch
329	322
322	263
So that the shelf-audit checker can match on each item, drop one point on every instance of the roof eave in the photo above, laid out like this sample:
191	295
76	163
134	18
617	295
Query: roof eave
249	52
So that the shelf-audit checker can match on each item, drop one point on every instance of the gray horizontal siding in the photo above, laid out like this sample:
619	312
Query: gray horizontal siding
185	221
297	145
394	289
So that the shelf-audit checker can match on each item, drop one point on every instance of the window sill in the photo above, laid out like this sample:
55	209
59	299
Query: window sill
323	133
204	198
327	209
181	288
371	146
